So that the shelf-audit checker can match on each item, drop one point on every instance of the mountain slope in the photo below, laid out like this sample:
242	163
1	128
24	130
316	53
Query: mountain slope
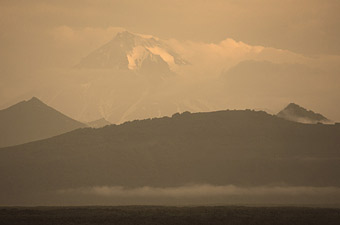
242	148
297	113
32	120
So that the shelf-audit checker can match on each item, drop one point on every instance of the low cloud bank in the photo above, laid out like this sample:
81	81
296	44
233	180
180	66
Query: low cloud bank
206	190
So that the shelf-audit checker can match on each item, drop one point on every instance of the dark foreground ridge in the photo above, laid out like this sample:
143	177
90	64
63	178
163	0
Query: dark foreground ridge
154	215
116	164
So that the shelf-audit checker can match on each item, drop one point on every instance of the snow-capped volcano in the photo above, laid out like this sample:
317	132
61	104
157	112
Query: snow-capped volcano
133	76
128	51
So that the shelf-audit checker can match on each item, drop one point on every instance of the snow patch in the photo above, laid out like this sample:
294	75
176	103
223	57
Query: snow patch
136	57
163	54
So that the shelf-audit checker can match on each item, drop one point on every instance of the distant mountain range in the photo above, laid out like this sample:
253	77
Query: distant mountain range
297	113
135	76
32	120
243	148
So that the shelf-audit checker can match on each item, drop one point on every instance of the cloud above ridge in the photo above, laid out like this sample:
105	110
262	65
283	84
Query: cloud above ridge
205	190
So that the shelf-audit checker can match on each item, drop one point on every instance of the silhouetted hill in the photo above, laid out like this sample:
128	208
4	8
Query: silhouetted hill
297	113
241	148
32	120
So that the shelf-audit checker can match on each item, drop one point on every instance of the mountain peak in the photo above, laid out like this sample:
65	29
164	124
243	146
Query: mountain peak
293	105
127	41
33	120
35	100
31	103
125	35
128	51
295	112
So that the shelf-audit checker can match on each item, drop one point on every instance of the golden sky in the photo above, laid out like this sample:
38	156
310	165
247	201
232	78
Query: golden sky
36	35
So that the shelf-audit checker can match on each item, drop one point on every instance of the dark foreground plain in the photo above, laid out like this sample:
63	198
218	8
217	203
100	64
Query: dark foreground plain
168	215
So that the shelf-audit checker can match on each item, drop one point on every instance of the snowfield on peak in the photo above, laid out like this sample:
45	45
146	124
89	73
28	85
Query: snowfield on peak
130	51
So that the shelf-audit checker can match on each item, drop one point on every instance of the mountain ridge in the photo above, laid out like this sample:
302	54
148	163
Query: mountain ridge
232	147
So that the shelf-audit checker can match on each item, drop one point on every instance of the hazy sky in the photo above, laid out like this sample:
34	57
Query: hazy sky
304	26
40	34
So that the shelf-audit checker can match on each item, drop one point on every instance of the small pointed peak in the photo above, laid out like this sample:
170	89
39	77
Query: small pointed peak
293	105
33	102
297	113
34	99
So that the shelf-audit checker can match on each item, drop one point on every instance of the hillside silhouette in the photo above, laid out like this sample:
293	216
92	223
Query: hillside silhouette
32	120
244	148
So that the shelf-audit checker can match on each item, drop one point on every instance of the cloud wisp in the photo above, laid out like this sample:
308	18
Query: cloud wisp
205	190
